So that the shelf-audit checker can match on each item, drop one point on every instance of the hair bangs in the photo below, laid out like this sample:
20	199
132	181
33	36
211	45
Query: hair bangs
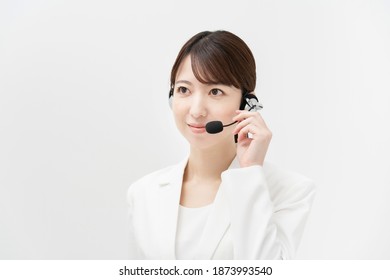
210	66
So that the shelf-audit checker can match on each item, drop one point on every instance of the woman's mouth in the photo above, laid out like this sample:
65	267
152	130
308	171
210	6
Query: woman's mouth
197	128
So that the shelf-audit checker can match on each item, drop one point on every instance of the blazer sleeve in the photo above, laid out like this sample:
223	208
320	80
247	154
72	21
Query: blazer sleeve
266	223
132	244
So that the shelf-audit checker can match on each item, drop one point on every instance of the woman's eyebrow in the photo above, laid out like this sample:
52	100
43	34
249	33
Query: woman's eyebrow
216	84
184	82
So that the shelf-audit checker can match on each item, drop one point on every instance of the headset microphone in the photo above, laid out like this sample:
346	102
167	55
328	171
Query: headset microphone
216	126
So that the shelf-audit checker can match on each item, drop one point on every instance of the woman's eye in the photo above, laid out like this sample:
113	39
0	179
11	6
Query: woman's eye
216	92
182	90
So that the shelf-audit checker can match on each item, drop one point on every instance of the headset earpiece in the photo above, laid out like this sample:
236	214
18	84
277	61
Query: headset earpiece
170	97
250	102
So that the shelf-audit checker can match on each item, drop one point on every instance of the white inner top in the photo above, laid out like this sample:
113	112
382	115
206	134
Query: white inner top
190	225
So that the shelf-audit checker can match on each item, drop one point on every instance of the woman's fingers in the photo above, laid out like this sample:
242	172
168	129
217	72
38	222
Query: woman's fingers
242	124
251	122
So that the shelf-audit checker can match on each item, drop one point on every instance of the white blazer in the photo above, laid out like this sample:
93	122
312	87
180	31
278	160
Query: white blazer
258	213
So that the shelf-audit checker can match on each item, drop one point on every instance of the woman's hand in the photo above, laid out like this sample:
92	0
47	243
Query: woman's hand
251	151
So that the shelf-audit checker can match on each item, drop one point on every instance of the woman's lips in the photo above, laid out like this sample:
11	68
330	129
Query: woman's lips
197	128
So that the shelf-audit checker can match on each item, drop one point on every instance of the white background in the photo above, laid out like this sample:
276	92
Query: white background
84	112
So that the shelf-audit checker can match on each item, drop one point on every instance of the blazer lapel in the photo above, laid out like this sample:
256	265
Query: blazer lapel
168	201
215	228
217	223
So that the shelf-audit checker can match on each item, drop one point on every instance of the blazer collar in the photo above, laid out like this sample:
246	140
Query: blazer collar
175	172
216	225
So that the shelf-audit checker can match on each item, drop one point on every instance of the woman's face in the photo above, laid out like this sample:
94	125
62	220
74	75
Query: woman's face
195	104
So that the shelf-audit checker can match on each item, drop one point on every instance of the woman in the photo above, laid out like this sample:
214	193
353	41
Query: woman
223	201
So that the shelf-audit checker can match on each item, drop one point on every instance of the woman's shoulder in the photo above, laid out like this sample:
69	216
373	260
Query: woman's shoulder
159	177
154	176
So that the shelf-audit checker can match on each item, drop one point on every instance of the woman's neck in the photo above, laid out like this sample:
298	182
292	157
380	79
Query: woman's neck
208	164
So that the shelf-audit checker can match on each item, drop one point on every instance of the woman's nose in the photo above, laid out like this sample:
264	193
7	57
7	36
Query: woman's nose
198	106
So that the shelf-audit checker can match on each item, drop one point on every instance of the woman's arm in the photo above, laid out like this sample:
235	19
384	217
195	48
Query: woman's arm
266	224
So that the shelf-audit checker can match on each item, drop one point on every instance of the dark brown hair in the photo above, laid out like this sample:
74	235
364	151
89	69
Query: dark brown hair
219	57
